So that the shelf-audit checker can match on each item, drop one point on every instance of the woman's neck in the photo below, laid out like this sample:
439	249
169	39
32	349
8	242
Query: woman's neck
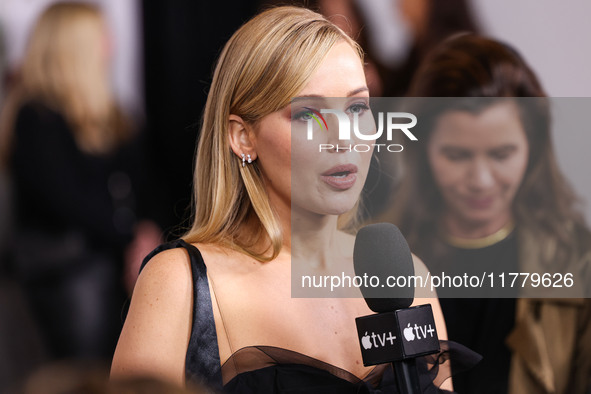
311	239
458	228
314	240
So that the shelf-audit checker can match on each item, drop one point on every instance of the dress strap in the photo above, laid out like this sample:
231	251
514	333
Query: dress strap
202	363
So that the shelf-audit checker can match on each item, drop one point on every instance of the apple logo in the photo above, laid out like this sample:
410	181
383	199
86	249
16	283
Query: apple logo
408	334
365	341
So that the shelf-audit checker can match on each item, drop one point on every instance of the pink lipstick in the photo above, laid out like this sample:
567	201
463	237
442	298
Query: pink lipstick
341	177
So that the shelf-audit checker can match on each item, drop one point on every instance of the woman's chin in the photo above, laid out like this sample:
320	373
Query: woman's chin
326	208
340	209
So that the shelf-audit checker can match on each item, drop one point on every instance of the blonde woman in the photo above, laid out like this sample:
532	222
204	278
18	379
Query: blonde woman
62	140
216	306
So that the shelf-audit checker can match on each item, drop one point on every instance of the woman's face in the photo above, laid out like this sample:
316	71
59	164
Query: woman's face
478	162
297	174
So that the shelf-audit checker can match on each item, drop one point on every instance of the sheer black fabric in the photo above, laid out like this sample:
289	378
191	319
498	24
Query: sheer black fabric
268	369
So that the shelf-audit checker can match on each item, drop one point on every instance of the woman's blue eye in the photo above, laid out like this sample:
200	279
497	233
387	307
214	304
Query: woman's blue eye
303	115
358	108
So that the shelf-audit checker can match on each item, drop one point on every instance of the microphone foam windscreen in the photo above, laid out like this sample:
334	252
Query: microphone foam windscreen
381	255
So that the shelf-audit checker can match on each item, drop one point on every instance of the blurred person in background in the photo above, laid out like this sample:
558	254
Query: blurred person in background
483	188
4	192
74	162
2	62
91	377
429	23
397	34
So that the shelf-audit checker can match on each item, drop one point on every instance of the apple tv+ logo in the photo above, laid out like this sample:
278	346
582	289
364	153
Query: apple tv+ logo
380	335
367	341
420	332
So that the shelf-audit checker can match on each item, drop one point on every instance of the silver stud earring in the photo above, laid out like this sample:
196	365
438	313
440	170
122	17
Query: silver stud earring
243	159
249	159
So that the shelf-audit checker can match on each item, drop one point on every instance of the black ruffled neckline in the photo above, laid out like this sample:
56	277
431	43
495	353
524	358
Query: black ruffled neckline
274	369
253	358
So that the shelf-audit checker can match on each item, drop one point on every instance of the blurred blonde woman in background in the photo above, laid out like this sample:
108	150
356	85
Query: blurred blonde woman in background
68	149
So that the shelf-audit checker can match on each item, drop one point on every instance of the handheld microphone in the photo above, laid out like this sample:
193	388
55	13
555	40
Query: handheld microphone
397	333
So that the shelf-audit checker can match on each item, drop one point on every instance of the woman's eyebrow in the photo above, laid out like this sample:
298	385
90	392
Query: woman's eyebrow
349	94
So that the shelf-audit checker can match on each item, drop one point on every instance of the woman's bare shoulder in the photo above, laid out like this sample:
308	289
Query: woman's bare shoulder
173	265
420	267
156	332
422	275
168	265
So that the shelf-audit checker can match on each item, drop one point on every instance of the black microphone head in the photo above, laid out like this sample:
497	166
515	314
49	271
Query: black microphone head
381	251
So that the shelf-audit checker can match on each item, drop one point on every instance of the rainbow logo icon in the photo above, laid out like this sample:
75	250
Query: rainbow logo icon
315	115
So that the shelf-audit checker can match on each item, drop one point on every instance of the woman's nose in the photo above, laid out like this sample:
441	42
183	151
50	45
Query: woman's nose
480	175
340	134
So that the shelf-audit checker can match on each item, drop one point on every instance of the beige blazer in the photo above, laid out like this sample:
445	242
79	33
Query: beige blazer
551	340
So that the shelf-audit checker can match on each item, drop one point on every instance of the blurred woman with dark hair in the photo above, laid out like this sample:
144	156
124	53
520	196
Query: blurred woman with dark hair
483	188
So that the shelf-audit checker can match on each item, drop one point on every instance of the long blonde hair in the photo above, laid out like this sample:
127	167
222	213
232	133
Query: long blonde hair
65	68
264	64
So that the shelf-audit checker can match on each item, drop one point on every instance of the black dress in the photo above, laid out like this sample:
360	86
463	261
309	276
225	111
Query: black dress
268	369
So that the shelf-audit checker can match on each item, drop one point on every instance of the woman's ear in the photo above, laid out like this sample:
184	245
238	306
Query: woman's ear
241	138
